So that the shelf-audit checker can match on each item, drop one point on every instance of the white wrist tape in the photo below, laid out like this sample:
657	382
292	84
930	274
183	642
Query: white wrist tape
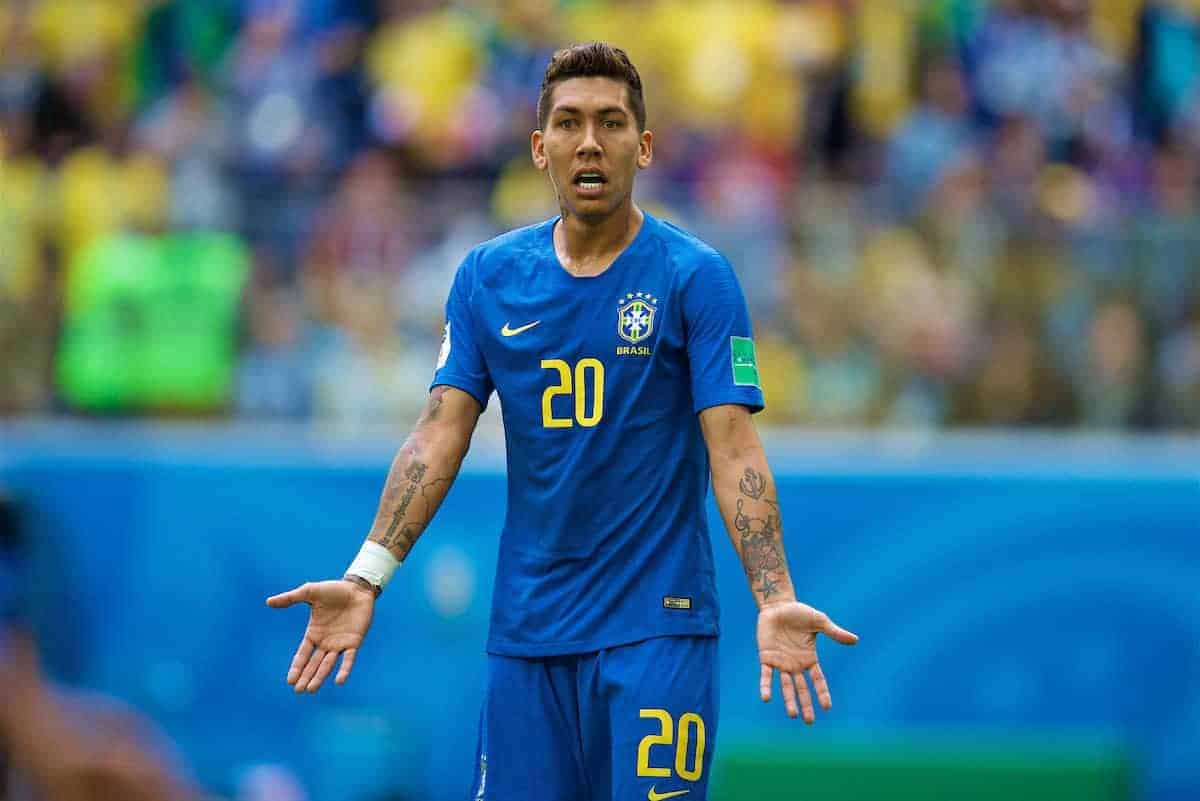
375	564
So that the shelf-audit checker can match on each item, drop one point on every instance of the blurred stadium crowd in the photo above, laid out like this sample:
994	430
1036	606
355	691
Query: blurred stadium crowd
944	212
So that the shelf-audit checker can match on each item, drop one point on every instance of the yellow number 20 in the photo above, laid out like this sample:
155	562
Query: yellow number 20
578	388
666	736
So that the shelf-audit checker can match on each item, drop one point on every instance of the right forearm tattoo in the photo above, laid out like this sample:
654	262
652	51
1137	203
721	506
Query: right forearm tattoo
413	493
413	475
408	504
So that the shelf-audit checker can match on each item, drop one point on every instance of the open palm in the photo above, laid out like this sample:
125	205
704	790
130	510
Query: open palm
339	616
787	642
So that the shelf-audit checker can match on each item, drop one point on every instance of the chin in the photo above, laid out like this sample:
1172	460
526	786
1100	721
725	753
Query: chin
595	210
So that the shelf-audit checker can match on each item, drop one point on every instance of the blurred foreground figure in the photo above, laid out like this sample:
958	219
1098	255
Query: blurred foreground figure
62	745
71	747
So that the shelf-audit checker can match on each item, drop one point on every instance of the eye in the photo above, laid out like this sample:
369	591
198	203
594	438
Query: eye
567	123
612	124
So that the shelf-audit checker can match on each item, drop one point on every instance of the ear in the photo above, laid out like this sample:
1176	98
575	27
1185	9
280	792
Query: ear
645	150
537	148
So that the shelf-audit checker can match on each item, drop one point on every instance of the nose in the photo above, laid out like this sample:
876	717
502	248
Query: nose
588	145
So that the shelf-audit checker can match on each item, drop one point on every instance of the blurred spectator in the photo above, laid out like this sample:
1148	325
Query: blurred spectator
21	78
282	135
425	62
88	47
842	376
1014	385
273	377
1017	157
181	40
1167	68
962	228
886	51
1112	391
365	371
932	137
1178	374
1168	236
108	187
1039	59
524	35
189	130
26	292
363	234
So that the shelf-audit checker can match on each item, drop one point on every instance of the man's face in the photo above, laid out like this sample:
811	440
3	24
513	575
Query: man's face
591	147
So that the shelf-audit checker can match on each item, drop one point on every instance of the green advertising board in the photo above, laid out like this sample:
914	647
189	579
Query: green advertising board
150	323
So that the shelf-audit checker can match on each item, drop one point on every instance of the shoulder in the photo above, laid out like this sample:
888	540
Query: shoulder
691	258
495	254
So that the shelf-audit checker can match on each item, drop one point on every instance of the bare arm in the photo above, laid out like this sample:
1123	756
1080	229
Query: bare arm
420	477
746	495
424	468
749	503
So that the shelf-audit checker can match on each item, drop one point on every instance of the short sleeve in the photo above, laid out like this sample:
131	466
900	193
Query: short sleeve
460	362
720	343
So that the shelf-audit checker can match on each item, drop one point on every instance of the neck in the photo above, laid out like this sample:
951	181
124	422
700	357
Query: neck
587	247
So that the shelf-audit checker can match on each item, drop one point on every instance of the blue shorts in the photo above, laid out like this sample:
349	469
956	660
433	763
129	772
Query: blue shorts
633	723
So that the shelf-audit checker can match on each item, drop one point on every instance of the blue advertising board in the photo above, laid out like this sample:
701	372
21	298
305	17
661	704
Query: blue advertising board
1008	592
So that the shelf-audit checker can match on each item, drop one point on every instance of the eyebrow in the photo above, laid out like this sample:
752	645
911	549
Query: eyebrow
603	111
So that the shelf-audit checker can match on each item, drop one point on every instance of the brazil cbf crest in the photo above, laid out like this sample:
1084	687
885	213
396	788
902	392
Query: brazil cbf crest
635	316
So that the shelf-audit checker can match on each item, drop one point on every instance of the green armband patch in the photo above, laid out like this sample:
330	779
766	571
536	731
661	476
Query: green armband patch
745	364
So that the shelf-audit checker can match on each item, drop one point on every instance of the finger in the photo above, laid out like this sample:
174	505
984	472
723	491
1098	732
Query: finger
821	686
806	707
766	678
286	599
347	663
323	671
788	688
300	660
836	632
310	670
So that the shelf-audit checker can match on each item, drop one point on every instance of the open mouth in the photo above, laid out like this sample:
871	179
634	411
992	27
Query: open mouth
590	180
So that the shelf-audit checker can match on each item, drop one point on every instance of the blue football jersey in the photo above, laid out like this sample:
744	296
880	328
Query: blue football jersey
600	380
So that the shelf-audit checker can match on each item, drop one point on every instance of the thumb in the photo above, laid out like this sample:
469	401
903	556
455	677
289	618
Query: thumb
301	594
837	633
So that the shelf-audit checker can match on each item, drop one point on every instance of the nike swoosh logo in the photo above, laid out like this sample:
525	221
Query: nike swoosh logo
653	796
512	332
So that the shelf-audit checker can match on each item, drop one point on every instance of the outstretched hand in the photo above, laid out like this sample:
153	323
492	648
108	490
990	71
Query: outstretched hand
338	620
787	642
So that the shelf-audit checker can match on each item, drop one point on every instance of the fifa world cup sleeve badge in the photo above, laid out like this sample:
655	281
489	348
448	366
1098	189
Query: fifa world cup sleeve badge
745	363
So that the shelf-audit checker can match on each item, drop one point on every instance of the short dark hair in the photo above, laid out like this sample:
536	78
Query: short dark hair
592	60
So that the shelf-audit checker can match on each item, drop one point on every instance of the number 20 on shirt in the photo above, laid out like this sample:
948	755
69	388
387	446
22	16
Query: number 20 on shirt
584	382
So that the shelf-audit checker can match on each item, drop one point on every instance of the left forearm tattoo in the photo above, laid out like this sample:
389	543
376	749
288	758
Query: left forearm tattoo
759	528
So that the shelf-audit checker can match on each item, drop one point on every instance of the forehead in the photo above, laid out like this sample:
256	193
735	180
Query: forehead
590	94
